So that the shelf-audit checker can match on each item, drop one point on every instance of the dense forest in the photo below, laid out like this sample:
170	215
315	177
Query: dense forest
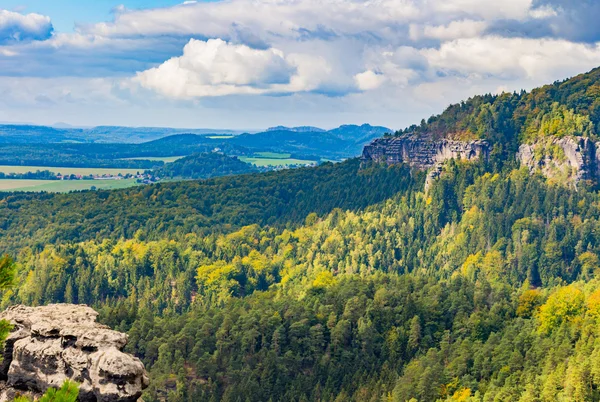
344	282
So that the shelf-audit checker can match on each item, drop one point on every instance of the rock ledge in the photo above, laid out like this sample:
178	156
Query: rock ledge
59	342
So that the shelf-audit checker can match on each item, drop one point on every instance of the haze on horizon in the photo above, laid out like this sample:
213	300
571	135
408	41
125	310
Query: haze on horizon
242	64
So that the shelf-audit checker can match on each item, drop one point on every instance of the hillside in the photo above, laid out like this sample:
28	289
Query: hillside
551	130
204	166
564	108
483	287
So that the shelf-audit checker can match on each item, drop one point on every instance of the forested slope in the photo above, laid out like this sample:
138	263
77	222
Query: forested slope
204	166
177	209
342	282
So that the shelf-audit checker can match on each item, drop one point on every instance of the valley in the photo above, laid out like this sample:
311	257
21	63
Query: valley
119	165
372	276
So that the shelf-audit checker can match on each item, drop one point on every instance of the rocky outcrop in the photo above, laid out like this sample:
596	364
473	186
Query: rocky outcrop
59	342
423	153
569	159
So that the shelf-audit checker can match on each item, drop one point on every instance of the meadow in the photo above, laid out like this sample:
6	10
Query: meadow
272	155
264	162
165	159
63	186
69	171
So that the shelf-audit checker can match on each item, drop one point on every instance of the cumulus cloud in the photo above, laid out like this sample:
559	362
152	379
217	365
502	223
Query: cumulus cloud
454	30
392	55
217	68
512	58
15	27
369	80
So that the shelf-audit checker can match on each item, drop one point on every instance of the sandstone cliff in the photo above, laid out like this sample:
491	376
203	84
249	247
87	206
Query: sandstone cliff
423	153
567	160
51	344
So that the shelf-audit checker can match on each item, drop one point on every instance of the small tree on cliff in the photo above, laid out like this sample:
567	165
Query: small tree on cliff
7	277
70	390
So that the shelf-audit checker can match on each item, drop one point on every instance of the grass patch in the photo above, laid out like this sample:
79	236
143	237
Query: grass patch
63	186
68	170
10	184
165	159
275	161
272	155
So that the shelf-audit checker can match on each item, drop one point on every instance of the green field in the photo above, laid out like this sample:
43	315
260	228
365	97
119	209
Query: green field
263	162
272	155
68	171
63	186
165	159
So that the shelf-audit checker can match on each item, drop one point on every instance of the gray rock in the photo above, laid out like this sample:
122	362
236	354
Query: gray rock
423	153
578	160
59	342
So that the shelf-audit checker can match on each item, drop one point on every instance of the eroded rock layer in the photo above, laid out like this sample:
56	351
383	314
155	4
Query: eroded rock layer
423	153
59	342
569	159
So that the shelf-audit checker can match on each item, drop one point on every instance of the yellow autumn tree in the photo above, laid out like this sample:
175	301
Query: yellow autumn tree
565	305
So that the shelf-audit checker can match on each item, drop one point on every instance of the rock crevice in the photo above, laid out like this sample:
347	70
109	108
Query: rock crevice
59	342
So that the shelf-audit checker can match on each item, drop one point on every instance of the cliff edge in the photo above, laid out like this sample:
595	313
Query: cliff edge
422	152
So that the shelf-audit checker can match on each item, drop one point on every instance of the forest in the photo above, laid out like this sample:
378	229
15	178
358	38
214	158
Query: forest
204	166
348	281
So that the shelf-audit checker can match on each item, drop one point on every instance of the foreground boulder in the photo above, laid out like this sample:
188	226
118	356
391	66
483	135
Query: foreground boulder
59	342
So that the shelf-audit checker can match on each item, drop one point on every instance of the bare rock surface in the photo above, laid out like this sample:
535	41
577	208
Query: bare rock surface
570	158
59	342
423	153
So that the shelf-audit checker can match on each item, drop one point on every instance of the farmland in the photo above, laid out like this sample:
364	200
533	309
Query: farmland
70	171
63	186
165	159
265	162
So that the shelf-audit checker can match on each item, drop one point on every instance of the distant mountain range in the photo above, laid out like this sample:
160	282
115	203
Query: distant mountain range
31	134
341	142
301	129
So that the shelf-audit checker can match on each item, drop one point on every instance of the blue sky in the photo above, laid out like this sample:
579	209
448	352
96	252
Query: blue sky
250	64
65	13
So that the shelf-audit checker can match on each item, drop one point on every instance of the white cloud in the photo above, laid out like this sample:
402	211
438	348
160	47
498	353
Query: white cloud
513	58
16	27
454	30
334	55
369	80
217	68
543	12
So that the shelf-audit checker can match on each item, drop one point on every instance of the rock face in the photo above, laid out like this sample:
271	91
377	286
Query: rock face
423	153
570	159
59	342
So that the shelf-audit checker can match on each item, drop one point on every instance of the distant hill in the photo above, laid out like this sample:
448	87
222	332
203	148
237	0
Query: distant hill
302	129
61	133
342	142
286	138
204	166
28	134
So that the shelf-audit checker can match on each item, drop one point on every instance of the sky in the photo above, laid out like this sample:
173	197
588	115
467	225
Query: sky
251	64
